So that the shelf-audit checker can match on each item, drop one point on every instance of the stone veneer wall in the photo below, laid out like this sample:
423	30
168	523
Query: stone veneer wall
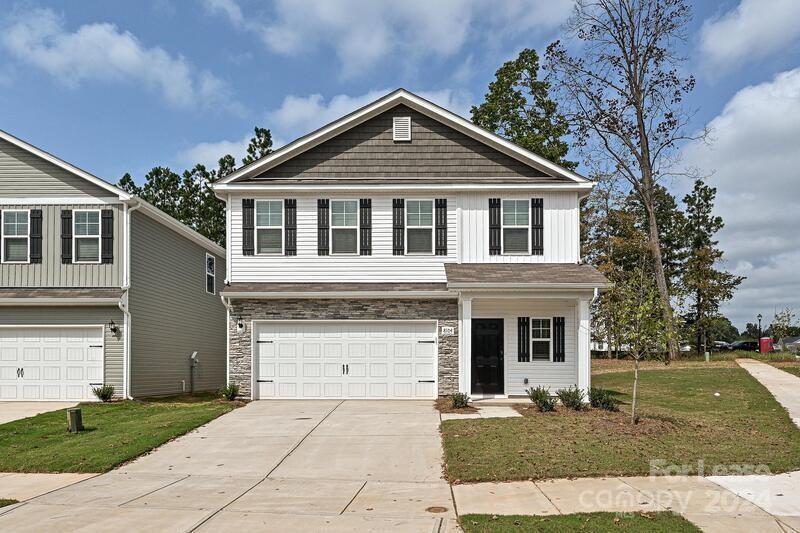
445	311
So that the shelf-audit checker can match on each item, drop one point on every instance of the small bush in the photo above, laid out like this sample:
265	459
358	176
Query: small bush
540	396
104	392
229	392
603	399
571	398
460	400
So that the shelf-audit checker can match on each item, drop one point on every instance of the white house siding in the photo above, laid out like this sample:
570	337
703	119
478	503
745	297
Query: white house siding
545	373
561	238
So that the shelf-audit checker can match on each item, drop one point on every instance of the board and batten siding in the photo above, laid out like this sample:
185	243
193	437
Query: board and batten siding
78	316
51	273
172	315
561	240
25	175
545	373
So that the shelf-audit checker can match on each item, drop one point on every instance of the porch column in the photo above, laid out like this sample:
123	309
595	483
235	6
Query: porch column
465	345
584	352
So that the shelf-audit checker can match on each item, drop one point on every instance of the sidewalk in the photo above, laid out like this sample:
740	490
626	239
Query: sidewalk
23	487
783	385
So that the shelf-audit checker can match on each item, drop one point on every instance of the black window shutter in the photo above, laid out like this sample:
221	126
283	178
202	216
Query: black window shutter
248	226
290	226
323	224
523	339
36	235
537	226
398	226
365	223
558	339
66	236
107	236
441	226
494	226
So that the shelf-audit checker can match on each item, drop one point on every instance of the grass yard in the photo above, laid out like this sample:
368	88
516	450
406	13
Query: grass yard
595	522
115	433
682	423
4	502
792	367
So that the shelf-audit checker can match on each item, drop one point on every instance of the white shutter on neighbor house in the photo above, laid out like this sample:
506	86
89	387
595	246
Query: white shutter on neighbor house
401	129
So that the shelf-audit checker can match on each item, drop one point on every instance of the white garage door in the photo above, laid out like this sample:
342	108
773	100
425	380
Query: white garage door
346	359
50	363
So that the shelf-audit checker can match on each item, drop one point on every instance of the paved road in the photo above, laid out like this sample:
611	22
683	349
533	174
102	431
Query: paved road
278	465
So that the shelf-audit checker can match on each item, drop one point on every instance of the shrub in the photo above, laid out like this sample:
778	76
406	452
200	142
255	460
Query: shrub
460	400
104	392
229	392
571	398
603	399
540	396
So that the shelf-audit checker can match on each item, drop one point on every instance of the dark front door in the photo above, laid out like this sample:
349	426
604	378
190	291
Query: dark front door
487	356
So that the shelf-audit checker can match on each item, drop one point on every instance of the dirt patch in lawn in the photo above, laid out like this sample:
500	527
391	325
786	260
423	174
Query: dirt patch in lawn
445	405
604	422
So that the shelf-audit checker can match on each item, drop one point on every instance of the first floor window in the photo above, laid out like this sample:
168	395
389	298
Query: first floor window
419	226
211	267
540	339
515	226
344	226
269	227
86	236
16	237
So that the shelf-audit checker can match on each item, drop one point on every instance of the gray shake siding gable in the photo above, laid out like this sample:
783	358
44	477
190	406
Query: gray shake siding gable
444	311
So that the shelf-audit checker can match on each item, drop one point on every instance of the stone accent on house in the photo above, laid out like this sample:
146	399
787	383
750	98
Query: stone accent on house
445	311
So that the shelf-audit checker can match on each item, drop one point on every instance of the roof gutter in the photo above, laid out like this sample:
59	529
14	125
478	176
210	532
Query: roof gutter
33	300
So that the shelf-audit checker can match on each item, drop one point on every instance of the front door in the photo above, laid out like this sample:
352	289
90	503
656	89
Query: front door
487	356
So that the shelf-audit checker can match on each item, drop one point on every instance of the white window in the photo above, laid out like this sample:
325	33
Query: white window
344	226
401	129
419	226
86	236
269	227
515	226
541	340
211	268
16	236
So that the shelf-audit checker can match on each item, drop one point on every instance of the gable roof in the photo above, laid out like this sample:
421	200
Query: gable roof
398	97
130	199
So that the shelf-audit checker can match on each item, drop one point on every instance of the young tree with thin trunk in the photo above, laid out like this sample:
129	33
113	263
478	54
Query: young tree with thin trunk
624	95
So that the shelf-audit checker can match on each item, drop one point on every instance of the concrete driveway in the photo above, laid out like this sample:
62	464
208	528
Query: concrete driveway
281	465
10	411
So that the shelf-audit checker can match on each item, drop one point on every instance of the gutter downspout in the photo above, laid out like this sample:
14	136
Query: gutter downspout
123	303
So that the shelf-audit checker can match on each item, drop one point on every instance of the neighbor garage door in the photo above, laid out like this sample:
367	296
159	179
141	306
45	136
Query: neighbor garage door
50	363
345	359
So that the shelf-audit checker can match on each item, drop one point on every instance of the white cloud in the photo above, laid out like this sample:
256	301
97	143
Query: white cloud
209	153
751	31
757	174
103	52
364	32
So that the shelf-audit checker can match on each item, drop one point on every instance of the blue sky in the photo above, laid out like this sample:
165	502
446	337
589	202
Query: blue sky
117	87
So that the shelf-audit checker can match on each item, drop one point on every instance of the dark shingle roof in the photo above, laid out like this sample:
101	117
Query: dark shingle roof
87	294
523	274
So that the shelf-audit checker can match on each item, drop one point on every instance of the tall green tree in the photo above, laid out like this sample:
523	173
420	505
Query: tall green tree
518	107
260	145
706	284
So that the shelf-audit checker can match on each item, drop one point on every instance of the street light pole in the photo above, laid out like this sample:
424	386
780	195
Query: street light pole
759	332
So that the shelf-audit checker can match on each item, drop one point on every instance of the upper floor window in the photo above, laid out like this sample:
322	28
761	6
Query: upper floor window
515	226
269	227
344	226
540	339
16	236
419	226
86	236
211	273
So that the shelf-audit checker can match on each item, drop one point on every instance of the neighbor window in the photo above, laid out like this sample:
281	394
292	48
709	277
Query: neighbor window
419	226
86	236
16	237
515	226
211	267
540	339
344	226
269	227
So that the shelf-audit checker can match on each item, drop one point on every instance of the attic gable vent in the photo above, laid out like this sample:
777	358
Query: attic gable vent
401	130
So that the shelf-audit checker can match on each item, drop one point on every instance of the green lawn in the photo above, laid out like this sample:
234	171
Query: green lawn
683	422
595	522
115	433
792	367
4	502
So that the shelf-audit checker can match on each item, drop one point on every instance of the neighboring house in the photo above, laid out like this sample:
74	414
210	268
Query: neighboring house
789	343
402	252
99	287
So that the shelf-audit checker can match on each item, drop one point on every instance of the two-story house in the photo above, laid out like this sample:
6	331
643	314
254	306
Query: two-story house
99	287
403	252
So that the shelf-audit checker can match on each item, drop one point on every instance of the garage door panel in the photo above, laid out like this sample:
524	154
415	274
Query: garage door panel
9	354
312	390
378	370
357	370
51	392
312	370
8	392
